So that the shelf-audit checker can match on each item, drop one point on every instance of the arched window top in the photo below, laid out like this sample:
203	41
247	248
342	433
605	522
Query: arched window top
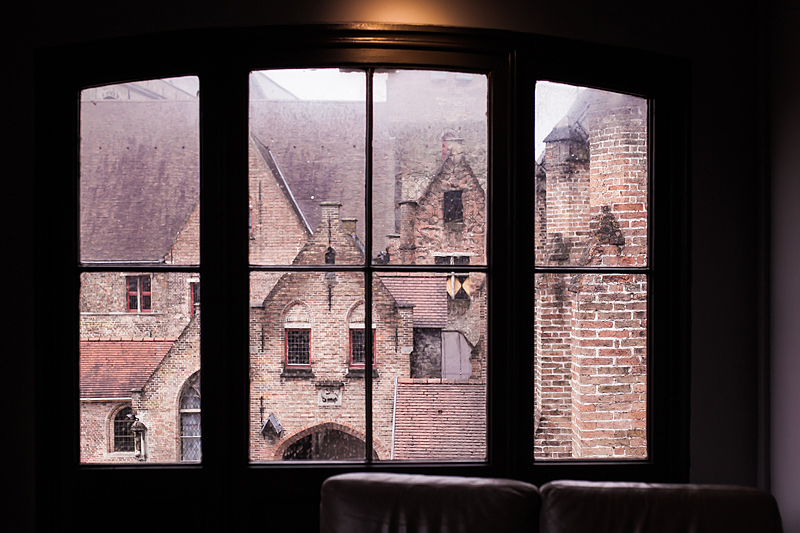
296	314
356	317
191	443
190	398
123	436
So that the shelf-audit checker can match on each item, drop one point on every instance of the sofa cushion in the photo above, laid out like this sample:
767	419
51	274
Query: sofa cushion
606	507
389	503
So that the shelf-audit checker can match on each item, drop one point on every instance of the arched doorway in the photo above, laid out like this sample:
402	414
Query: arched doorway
326	444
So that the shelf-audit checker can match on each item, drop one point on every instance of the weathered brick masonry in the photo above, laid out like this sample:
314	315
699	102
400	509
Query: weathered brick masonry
590	374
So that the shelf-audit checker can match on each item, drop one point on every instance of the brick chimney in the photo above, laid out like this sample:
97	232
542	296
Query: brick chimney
408	215
330	211
349	225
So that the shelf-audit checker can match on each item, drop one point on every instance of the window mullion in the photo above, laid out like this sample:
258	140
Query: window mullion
224	254
368	333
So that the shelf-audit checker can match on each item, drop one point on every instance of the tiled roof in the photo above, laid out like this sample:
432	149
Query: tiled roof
440	419
139	176
280	179
112	367
427	292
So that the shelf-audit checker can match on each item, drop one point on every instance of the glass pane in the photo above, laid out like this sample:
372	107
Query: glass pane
591	177
306	159
144	360
438	403
191	449
139	172
590	371
307	400
139	331
430	167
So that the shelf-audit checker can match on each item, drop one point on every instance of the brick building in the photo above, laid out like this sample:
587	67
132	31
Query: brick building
591	211
307	341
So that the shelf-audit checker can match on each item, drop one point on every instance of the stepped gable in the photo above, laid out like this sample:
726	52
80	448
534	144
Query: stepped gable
332	234
440	419
139	176
427	292
112	367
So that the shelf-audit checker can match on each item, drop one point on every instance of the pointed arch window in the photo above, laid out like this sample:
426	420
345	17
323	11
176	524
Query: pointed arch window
191	443
123	436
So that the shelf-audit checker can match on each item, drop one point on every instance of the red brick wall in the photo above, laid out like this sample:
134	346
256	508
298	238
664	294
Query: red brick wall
590	368
97	432
157	405
423	230
104	307
329	299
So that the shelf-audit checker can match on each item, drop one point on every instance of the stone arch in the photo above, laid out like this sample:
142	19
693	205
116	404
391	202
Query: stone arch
355	315
296	312
352	434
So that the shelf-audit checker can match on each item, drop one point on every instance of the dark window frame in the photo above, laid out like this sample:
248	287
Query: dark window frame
222	59
194	297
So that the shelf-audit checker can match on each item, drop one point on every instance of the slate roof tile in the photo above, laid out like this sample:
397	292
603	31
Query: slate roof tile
139	176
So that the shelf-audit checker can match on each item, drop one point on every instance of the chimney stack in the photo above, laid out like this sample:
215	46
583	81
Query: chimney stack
349	225
408	215
330	211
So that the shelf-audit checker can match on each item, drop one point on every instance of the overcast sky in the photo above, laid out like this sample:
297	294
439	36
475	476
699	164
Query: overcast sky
553	100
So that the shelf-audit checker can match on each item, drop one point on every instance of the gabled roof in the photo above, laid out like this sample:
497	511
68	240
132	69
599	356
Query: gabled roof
269	159
427	292
439	419
112	367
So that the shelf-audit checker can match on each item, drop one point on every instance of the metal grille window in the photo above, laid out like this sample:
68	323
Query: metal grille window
191	443
123	436
298	347
139	294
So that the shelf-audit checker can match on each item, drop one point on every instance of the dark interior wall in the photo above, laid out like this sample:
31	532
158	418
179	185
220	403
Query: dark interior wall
722	41
785	312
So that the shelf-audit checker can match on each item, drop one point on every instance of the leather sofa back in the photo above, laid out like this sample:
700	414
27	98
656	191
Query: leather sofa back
403	503
579	506
395	503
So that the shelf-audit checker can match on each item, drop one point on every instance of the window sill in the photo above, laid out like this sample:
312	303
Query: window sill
297	373
358	373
